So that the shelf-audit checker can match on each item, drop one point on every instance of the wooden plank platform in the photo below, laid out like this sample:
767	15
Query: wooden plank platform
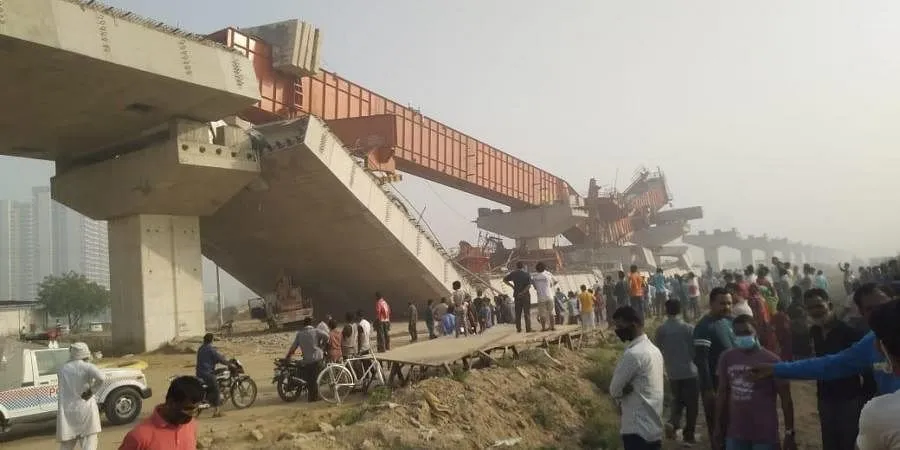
447	349
537	337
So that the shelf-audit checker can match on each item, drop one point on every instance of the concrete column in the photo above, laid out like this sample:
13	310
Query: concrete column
152	193
746	256
712	255
156	280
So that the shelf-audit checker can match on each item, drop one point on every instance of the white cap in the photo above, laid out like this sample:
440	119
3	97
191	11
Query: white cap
79	350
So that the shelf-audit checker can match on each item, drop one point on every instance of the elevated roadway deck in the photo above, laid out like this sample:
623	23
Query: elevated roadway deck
320	217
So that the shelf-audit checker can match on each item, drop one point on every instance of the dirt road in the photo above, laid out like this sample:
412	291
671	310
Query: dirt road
506	408
256	352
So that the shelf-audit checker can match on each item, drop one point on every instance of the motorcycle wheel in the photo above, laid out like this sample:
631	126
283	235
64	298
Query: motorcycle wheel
243	392
288	390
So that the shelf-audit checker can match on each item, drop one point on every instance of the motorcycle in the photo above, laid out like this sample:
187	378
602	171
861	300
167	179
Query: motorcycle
235	385
288	380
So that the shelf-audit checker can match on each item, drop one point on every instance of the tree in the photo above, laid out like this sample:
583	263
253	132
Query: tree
72	296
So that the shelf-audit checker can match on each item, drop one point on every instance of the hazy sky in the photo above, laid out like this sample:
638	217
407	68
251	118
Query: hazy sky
776	117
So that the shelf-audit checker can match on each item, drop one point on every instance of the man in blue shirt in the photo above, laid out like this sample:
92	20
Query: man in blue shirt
207	358
658	281
856	360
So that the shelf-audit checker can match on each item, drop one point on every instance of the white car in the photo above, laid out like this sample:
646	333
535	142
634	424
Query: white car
28	388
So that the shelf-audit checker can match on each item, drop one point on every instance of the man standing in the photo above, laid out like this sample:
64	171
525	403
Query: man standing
207	358
364	334
621	291
840	401
382	323
520	282
675	339
586	306
350	337
172	425
460	299
429	319
712	337
413	322
658	281
879	428
636	290
746	409
559	302
637	384
438	312
309	341
78	418
543	283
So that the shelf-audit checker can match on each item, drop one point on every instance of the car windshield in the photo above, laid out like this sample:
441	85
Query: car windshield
12	369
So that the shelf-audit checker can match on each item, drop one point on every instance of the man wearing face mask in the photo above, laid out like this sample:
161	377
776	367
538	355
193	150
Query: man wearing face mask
746	409
637	383
856	360
839	401
172	425
879	428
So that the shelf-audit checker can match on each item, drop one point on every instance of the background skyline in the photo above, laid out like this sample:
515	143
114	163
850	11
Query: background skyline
773	117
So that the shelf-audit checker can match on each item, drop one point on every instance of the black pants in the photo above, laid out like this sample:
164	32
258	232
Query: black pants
213	396
709	413
382	335
309	372
635	442
430	325
839	420
685	398
523	307
413	333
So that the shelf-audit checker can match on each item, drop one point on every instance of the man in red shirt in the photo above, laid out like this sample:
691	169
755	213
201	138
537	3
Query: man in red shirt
172	425
382	323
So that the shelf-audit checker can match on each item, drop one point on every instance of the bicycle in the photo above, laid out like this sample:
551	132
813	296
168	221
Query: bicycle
337	380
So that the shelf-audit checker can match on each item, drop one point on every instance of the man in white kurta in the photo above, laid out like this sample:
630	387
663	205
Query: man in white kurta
78	419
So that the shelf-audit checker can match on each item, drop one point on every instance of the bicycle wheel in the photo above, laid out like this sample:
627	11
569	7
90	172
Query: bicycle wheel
335	383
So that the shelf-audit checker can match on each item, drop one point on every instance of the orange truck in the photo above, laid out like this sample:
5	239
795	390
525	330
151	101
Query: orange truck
282	308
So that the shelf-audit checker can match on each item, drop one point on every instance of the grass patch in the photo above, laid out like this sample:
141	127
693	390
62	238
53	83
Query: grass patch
601	431
350	416
460	374
378	395
600	371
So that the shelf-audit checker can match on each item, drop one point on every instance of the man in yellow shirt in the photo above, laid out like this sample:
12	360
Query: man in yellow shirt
586	305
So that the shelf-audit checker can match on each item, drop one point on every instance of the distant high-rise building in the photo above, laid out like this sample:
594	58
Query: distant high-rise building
80	244
6	245
43	237
15	249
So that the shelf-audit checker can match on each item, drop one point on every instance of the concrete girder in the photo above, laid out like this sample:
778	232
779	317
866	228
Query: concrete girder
677	215
80	78
659	235
322	219
543	221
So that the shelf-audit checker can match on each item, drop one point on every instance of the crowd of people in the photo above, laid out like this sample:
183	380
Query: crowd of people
735	361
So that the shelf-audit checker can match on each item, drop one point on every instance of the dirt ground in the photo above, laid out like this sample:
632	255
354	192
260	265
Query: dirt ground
534	402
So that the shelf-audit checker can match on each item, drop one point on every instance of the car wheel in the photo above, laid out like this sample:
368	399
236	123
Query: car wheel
122	405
